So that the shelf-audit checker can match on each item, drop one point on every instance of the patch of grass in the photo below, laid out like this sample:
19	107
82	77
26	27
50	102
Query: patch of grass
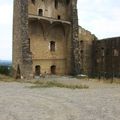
4	78
116	81
44	84
110	80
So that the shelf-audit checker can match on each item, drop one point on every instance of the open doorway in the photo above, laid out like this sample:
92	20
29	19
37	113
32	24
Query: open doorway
53	69
37	70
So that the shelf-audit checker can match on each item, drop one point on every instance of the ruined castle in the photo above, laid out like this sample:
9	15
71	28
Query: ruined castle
45	37
48	40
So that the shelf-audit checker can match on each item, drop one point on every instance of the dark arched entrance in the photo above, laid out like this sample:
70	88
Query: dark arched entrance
53	69
37	70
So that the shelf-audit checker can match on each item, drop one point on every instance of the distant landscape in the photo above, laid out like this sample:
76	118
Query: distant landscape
5	62
5	67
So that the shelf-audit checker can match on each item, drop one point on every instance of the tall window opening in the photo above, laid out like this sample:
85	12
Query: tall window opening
37	70
59	17
52	46
56	4
81	41
40	12
102	51
115	52
81	51
53	69
29	43
33	2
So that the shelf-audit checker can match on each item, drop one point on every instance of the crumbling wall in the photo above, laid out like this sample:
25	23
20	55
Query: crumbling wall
107	57
22	60
75	40
86	45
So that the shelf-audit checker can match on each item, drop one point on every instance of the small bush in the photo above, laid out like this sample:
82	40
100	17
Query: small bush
5	78
5	70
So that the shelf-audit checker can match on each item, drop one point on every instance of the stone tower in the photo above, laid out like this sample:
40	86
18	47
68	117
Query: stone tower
45	37
22	59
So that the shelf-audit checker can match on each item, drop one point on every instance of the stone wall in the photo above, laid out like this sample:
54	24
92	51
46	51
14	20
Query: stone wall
49	9
107	57
46	28
75	40
75	47
41	33
22	62
31	47
86	39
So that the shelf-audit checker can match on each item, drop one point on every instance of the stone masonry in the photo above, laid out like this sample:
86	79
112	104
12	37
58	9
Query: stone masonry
22	61
48	40
75	40
106	57
86	40
36	47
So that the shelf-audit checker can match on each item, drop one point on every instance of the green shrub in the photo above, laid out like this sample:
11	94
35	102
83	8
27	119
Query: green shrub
5	70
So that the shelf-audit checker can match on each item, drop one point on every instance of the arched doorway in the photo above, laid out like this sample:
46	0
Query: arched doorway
53	69
37	70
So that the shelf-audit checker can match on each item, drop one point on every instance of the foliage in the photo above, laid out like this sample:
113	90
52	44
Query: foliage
5	70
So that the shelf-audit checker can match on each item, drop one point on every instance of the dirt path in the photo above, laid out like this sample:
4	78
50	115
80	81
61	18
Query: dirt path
19	102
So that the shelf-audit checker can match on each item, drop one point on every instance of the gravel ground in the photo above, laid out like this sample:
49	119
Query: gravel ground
19	102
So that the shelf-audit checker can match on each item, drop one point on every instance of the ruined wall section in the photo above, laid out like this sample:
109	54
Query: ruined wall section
17	54
21	55
107	57
75	40
86	40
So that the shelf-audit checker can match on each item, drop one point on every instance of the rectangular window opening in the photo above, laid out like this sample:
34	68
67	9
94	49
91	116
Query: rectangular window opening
59	17
40	12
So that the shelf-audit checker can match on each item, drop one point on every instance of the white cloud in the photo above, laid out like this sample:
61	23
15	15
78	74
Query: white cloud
6	9
101	17
6	13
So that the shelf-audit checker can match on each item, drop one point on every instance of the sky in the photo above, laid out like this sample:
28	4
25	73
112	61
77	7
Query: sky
101	17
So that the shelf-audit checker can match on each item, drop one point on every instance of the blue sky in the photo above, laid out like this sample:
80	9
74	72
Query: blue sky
101	17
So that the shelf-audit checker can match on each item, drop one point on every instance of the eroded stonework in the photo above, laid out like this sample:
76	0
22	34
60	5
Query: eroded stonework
86	40
43	36
48	40
107	57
